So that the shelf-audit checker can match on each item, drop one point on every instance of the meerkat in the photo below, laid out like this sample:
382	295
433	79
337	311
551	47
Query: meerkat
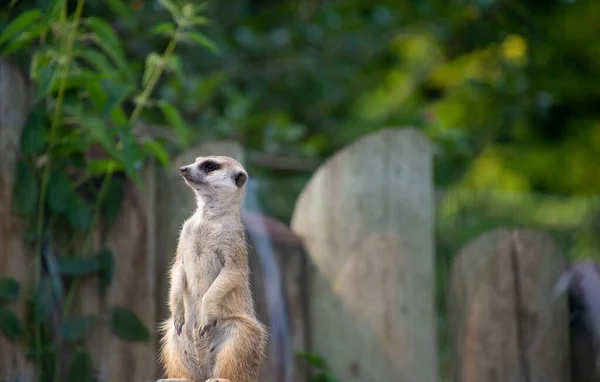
213	334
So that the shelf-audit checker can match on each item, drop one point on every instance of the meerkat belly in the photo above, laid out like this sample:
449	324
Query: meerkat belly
200	272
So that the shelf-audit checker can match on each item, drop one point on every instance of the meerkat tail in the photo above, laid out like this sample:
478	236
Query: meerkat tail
243	352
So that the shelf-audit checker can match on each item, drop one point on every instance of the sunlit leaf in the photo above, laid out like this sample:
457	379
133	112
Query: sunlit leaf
22	21
9	289
74	328
25	190
25	38
127	326
201	40
10	324
165	28
102	166
81	368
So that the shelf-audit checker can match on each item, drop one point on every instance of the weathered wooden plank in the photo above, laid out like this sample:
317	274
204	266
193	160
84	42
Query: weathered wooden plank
16	95
290	260
504	323
366	219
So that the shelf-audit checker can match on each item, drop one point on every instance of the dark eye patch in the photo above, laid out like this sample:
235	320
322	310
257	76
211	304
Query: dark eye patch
209	166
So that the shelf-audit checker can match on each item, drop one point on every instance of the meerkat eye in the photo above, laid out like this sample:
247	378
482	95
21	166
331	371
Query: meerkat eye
209	166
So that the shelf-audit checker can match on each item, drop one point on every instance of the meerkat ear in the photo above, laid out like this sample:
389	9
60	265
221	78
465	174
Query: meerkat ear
240	179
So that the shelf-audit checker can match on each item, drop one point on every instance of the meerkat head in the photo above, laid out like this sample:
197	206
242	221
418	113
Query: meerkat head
215	177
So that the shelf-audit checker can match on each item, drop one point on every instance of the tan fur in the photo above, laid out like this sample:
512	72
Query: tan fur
213	333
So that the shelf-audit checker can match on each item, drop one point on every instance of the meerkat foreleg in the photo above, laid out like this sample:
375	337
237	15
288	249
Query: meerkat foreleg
178	286
223	284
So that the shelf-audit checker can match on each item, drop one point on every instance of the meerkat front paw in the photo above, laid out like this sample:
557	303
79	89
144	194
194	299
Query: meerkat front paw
208	321
178	321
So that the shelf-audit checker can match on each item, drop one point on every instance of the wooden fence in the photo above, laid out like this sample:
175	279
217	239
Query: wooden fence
356	268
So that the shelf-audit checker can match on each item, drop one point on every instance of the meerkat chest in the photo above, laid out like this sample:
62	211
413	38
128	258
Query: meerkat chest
201	258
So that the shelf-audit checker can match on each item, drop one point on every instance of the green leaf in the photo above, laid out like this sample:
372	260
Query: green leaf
81	368
109	42
25	190
117	93
9	289
10	324
74	328
59	190
152	62
77	265
119	8
127	326
174	65
22	21
201	40
113	200
33	137
25	38
165	28
102	166
42	300
98	60
157	150
314	360
79	213
200	20
171	7
46	81
100	134
106	259
174	119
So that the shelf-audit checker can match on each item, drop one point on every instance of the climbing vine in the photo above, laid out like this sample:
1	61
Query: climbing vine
79	144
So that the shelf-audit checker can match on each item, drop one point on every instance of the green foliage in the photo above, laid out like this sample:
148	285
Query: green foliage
79	144
126	325
10	324
9	289
81	368
321	371
74	328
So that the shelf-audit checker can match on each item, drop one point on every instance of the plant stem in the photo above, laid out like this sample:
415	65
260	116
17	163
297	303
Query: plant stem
110	171
48	169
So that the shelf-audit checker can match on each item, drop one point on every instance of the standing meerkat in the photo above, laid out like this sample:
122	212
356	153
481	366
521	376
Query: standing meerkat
213	334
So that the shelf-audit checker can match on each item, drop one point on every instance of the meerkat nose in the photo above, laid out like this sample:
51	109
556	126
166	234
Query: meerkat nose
183	169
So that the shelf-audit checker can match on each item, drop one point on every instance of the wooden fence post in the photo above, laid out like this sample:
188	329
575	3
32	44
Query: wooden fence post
366	219
504	323
16	96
